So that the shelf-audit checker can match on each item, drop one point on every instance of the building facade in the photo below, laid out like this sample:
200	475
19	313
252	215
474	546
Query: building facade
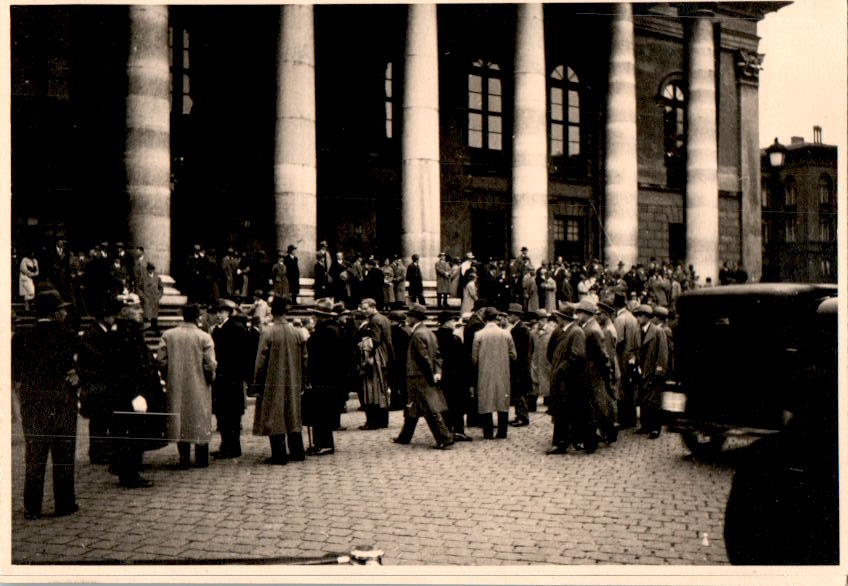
799	212
615	131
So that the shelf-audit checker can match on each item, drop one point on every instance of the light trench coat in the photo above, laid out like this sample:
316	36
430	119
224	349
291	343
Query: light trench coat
492	350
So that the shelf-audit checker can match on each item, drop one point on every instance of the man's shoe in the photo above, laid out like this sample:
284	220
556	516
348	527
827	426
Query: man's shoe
64	512
397	440
499	436
274	461
297	458
136	483
461	437
324	451
654	435
556	450
519	422
443	445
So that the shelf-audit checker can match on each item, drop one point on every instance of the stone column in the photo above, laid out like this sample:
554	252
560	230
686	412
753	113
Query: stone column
530	138
147	154
295	171
621	191
420	183
748	65
702	152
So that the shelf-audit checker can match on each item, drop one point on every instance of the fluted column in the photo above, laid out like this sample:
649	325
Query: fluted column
147	153
702	153
420	185
621	192
530	139
295	173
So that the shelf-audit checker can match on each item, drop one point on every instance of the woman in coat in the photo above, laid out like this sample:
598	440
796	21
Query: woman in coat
469	295
540	368
151	292
548	287
388	285
531	295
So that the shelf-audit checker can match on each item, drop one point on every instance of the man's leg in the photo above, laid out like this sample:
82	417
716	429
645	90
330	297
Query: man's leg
487	425
503	421
440	431
37	448
184	449
98	439
278	449
522	417
201	455
295	441
63	450
407	431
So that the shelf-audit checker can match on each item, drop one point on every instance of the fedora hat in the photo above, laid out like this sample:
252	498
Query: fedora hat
49	301
587	306
322	307
417	311
565	312
644	309
515	309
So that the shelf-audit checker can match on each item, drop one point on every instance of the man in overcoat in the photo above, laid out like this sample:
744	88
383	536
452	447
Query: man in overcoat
653	363
43	364
568	380
379	329
443	280
187	361
397	369
454	377
416	281
292	272
423	375
279	274
326	376
150	289
492	350
278	378
520	381
235	369
627	348
94	403
598	377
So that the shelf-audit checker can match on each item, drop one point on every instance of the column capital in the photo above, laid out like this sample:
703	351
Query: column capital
748	66
695	11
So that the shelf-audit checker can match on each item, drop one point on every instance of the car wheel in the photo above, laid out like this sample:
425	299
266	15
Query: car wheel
701	443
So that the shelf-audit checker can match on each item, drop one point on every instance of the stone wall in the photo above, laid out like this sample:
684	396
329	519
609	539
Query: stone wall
657	209
729	232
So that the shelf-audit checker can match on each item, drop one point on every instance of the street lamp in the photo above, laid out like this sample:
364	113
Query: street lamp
776	154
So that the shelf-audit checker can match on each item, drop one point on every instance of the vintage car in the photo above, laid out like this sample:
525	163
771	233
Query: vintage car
742	357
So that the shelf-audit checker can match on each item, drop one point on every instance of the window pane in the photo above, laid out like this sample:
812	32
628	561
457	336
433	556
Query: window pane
557	149
388	111
475	121
388	129
494	86
495	141
556	96
559	229
494	103
668	92
389	70
495	124
574	134
475	83
185	58
388	88
572	231
572	77
185	38
678	93
556	112
494	66
573	99
475	139
574	115
477	63
556	131
187	103
475	101
186	84
557	73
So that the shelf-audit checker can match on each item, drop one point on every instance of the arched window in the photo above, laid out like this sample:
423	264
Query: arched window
390	115
485	106
825	191
790	193
674	117
564	108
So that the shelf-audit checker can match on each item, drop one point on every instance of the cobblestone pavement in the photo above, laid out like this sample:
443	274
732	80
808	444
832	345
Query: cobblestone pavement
485	502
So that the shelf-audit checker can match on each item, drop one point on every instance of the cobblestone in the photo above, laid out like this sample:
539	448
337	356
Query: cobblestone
480	503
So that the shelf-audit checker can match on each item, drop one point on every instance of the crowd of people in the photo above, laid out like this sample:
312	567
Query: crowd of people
590	343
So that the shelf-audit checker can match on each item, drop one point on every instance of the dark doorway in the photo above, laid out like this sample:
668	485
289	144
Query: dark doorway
570	238
676	243
489	234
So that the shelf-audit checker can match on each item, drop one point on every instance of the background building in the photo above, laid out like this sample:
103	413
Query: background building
799	210
612	131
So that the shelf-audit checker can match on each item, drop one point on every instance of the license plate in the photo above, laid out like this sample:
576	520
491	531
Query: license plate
673	402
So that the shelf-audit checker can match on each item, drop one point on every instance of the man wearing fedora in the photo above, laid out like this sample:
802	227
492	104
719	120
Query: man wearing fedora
278	382
443	280
567	355
234	370
423	375
43	364
292	272
279	275
186	357
629	340
491	351
453	383
598	378
326	377
653	363
415	280
520	381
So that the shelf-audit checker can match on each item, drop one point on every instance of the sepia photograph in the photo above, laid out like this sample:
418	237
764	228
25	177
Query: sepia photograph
456	289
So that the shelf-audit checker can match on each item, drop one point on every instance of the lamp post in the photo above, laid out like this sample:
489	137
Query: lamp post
774	249
776	154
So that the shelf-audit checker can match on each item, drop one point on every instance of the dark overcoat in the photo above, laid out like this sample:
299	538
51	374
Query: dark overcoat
598	370
325	372
422	363
235	367
278	374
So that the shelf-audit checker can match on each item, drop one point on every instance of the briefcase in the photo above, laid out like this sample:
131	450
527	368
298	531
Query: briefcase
148	430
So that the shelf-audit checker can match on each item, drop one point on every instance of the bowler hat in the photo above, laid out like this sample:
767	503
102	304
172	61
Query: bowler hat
290	248
414	257
279	306
469	255
227	305
490	314
587	306
417	311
